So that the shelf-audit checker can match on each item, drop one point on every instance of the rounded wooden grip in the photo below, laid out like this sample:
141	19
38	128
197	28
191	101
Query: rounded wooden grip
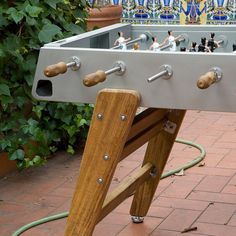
56	69
94	78
206	80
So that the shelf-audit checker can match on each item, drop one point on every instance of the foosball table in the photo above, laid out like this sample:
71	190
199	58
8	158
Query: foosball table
89	68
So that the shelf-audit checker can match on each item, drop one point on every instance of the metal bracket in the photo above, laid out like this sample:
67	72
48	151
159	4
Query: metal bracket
170	126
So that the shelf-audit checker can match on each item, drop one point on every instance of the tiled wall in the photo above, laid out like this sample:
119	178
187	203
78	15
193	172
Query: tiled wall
178	11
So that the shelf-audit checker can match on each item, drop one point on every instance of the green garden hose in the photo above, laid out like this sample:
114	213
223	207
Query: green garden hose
167	174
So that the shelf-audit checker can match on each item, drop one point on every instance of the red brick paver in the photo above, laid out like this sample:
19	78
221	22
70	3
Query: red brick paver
204	197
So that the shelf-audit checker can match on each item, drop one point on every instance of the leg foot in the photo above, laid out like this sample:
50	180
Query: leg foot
137	219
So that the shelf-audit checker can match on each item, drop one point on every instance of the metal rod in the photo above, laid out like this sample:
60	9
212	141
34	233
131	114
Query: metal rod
129	43
142	37
170	44
181	39
157	76
117	68
166	46
166	73
74	64
71	64
133	41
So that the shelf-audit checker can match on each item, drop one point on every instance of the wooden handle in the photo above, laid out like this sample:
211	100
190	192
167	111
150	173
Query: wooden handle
56	69
94	78
206	80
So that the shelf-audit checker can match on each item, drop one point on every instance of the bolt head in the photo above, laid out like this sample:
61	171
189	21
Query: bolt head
99	116
123	117
100	180
106	157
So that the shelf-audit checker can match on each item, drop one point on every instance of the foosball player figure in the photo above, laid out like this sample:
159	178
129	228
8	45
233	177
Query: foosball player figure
136	46
182	49
155	45
211	43
171	40
203	47
234	48
193	47
121	41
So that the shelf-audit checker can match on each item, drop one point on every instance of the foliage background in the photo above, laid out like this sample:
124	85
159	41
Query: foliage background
24	27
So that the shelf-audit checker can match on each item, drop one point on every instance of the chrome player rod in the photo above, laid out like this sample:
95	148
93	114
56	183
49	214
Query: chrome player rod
114	69
182	39
141	38
166	73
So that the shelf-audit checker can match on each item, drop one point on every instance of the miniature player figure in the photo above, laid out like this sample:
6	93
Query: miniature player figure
183	49
193	47
136	46
234	48
211	43
121	41
155	45
171	40
203	47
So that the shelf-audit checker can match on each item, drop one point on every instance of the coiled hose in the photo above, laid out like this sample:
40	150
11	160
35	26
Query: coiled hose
165	175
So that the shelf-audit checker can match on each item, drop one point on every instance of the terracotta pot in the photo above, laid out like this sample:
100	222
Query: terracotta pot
6	165
104	16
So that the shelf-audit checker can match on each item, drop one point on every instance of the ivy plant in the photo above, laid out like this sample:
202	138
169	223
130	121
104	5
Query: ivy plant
31	130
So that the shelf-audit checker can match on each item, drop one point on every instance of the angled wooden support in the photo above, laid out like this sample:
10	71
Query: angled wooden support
157	153
114	133
111	122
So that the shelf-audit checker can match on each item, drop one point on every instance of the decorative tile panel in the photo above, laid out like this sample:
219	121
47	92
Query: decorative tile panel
178	11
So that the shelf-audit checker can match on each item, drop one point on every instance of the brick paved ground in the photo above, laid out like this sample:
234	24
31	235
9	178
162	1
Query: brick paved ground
204	197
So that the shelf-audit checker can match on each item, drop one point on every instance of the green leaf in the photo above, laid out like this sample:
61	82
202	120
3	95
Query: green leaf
31	21
53	3
33	11
5	101
70	150
48	32
53	149
20	101
38	110
73	28
5	143
4	90
21	165
37	160
19	154
17	16
71	130
3	21
82	122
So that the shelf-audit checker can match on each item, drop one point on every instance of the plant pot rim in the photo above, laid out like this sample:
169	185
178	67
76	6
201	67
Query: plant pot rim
104	16
110	10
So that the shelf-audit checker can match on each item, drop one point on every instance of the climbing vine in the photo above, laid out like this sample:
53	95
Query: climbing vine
31	130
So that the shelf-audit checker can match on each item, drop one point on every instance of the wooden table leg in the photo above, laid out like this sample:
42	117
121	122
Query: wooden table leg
111	122
157	153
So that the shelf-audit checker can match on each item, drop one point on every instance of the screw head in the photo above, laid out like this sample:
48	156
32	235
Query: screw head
106	157
100	180
123	117
99	116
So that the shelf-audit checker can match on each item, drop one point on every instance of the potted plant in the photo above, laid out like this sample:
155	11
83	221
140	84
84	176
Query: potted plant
103	13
